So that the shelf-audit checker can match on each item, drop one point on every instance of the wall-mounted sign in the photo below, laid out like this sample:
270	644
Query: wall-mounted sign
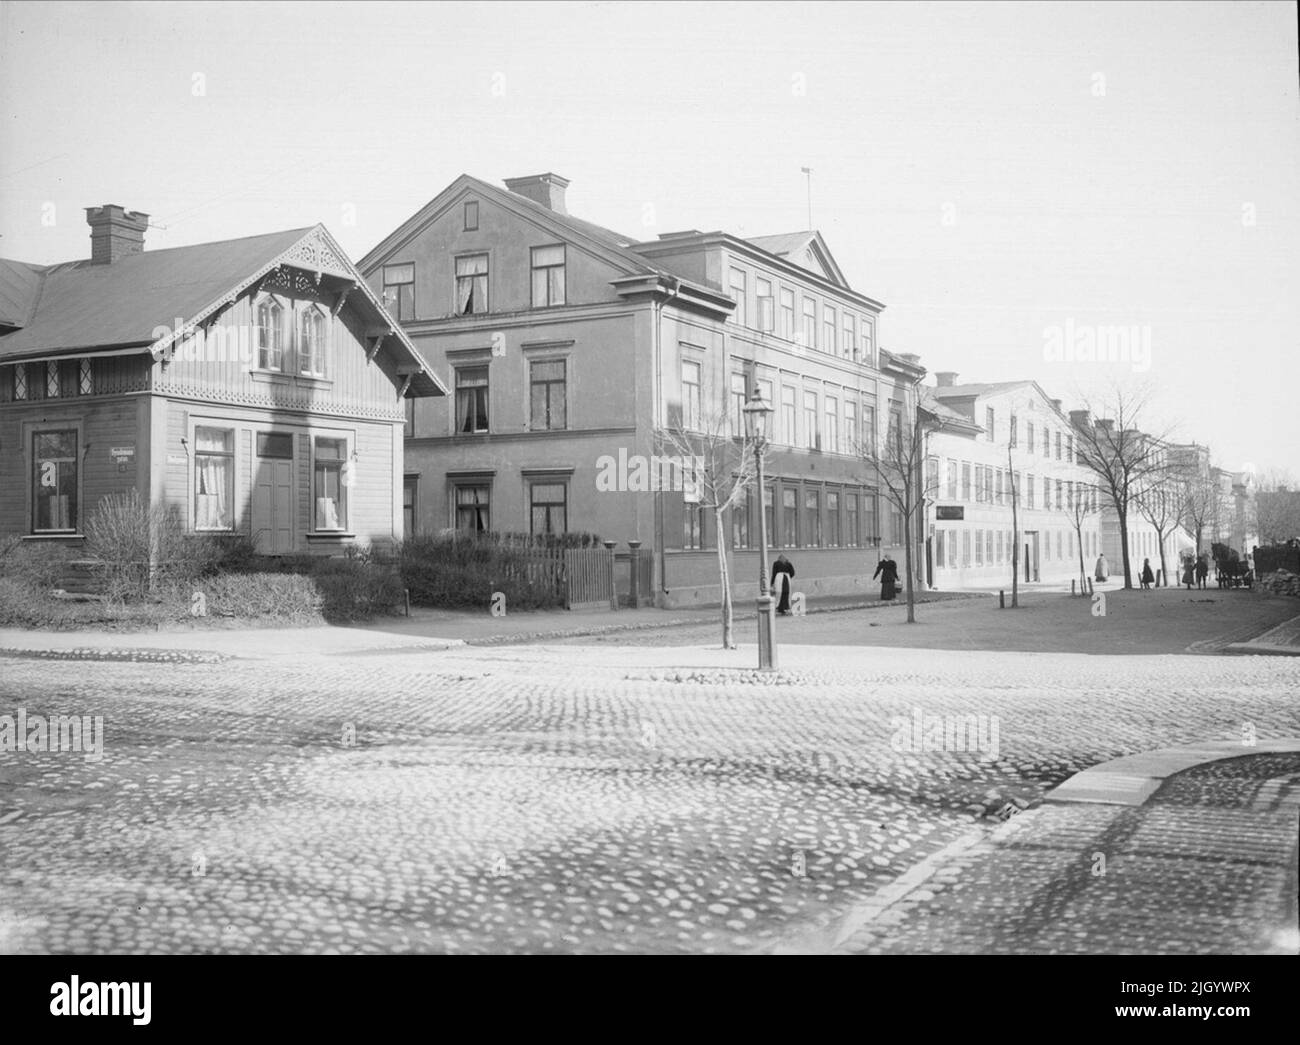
121	454
950	511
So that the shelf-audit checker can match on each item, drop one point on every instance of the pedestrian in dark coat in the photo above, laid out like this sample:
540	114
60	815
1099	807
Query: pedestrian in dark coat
887	571
1202	571
1103	570
1189	574
1148	578
785	570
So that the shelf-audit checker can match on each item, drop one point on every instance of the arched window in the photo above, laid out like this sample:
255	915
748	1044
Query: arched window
312	329
270	334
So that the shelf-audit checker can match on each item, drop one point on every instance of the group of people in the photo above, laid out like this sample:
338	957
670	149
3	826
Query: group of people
1196	571
783	568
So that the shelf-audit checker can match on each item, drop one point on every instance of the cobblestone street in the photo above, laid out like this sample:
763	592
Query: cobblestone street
561	798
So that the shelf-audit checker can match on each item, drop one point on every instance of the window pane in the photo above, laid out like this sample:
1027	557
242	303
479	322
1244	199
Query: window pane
54	463
473	265
548	255
274	444
217	440
399	273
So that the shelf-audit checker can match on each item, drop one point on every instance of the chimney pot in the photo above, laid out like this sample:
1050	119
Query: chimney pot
115	232
546	189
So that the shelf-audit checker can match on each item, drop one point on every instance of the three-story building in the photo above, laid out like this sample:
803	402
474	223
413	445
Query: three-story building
571	350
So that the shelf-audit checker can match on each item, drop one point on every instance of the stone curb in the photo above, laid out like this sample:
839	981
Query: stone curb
1262	649
837	936
150	654
678	622
1131	780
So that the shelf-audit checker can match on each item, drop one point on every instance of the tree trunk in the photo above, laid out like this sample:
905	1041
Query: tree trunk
1015	536
1083	569
1123	548
907	564
724	577
1164	571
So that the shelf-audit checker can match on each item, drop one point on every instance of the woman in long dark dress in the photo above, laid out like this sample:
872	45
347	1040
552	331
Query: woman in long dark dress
1148	578
887	571
783	566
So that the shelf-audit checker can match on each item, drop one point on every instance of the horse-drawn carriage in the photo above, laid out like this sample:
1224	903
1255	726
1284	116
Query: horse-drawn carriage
1230	570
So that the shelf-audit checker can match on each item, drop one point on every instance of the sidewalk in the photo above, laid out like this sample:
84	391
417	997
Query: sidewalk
1175	851
424	629
1284	640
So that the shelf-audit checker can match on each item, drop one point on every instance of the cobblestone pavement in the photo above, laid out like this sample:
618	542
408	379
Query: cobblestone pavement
552	798
1217	844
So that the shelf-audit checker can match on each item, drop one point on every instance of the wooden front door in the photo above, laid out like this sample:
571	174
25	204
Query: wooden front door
273	494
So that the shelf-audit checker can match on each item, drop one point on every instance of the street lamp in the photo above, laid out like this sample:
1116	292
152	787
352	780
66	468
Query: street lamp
757	412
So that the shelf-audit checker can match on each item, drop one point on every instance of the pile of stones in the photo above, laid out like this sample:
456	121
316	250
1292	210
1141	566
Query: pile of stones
1281	582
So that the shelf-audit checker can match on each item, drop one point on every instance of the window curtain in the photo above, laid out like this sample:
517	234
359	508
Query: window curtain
213	509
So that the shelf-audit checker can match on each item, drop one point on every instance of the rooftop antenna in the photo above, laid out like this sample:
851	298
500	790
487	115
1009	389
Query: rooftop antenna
808	171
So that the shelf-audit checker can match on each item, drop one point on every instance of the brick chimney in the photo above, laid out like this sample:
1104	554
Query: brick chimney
546	189
115	233
1106	424
945	378
1056	405
1081	418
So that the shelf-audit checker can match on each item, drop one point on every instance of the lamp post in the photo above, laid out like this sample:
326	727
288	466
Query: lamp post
757	411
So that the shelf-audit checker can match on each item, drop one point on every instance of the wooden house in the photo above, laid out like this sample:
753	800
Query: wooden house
256	385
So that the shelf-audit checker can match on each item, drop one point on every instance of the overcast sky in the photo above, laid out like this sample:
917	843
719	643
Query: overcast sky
997	175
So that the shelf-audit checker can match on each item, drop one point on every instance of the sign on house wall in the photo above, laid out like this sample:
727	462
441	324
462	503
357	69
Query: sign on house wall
949	512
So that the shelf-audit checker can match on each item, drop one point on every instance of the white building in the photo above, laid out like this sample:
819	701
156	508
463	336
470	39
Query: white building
995	431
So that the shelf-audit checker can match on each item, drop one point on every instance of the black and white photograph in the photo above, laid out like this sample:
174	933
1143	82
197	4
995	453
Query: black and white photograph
650	479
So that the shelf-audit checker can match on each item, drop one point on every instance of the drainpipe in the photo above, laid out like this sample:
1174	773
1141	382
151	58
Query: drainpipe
658	312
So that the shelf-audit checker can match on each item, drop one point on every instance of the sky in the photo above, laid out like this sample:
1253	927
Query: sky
1006	178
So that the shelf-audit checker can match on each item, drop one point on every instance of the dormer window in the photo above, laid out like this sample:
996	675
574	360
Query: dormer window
270	334
312	330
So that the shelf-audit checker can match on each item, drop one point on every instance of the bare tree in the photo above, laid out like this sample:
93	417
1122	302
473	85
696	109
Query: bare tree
1161	500
1277	508
1014	478
1080	506
897	467
1124	458
718	468
1202	503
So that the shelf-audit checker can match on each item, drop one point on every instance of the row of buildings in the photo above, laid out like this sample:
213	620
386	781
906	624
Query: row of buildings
480	369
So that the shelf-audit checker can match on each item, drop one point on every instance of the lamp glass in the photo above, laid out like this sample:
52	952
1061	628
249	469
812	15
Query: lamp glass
756	413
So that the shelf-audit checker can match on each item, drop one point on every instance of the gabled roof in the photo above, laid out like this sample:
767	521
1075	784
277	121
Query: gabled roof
613	245
84	305
945	415
806	249
974	390
20	285
80	307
